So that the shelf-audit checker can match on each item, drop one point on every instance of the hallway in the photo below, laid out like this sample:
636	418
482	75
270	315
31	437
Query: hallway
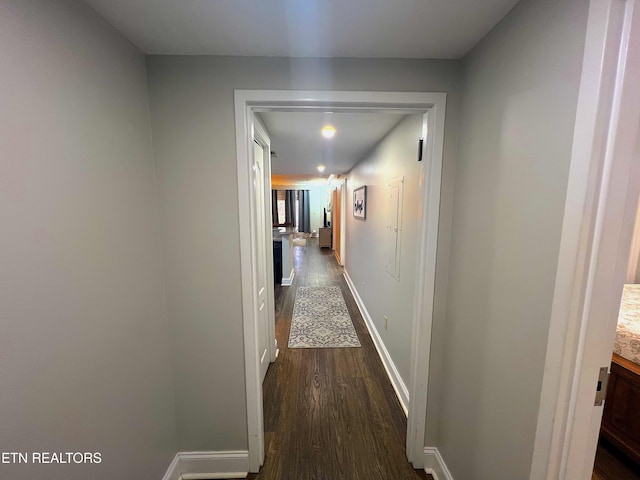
330	413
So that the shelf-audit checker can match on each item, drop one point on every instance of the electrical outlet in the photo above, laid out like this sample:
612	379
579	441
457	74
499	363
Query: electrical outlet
386	320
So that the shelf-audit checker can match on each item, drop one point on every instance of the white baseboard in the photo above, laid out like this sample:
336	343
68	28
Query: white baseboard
173	472
208	465
287	281
434	464
392	371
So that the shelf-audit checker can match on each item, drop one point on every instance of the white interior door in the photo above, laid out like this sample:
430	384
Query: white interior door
261	257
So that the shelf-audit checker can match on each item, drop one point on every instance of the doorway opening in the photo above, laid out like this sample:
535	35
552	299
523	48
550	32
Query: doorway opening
432	106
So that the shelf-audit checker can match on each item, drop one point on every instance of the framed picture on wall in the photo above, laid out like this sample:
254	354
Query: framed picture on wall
360	203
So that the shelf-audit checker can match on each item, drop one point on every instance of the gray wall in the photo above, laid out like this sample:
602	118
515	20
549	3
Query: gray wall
395	156
520	96
194	142
84	345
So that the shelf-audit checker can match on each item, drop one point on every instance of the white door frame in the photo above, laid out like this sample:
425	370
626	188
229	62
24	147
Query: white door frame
249	101
601	203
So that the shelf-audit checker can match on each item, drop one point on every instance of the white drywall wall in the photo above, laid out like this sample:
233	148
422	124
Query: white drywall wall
84	345
520	97
194	143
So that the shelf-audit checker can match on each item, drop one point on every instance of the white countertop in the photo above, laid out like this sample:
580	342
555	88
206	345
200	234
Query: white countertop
284	231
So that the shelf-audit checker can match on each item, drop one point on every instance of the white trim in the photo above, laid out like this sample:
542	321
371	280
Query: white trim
213	476
422	322
173	472
226	464
600	206
434	464
392	372
287	281
229	464
351	101
248	101
253	379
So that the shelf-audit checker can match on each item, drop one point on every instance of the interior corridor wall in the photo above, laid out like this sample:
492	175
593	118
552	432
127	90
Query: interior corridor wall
193	127
519	107
84	346
395	156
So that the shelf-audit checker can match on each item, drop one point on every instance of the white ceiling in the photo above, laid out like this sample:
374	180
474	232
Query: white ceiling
296	138
305	28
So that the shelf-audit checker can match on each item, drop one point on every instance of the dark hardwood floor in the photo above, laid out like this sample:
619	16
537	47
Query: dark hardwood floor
612	465
330	413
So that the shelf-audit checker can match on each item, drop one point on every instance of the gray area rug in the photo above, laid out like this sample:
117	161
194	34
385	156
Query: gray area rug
321	320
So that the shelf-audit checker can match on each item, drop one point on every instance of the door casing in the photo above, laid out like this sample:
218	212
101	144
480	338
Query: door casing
432	105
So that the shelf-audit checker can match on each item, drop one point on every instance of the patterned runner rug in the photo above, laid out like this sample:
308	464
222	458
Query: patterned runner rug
321	320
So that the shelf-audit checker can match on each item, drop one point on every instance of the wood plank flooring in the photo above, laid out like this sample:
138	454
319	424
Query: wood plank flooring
330	413
612	465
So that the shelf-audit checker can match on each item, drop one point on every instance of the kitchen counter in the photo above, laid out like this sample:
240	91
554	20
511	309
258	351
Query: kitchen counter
285	235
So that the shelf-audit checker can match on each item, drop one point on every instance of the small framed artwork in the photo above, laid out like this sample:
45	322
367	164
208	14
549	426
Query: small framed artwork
360	203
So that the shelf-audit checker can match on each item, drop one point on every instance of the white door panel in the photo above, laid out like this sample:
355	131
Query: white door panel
261	256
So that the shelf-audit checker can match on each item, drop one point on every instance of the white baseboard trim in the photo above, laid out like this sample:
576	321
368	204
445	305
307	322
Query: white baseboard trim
392	371
173	472
287	281
208	465
434	464
212	476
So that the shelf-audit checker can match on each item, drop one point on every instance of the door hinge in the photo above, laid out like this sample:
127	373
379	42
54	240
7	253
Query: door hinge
601	388
420	145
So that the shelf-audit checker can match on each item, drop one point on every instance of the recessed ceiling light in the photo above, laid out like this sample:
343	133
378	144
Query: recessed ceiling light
321	168
328	131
